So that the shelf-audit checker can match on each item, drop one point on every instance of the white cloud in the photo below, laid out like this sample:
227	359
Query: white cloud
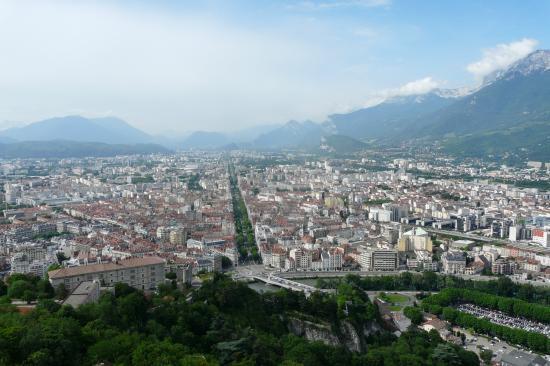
501	56
416	87
420	86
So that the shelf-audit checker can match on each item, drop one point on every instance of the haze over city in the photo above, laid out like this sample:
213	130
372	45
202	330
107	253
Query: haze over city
181	66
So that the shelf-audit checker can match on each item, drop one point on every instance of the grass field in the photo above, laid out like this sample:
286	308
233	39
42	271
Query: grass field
394	298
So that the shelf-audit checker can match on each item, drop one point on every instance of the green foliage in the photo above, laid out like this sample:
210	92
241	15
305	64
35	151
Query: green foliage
171	275
376	202
3	288
61	292
486	356
223	322
344	144
53	267
143	179
226	262
28	287
244	232
414	314
193	183
47	236
430	281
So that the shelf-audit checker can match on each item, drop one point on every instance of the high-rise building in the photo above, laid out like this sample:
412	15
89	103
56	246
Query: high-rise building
379	260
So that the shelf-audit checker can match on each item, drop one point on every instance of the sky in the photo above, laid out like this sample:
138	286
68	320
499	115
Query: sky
170	67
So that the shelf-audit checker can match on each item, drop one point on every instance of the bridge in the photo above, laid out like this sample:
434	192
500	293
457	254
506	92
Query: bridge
286	283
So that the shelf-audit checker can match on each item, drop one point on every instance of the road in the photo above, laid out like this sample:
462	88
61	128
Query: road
259	269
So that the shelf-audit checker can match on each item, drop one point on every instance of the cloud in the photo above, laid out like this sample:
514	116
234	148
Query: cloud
420	86
161	69
501	56
416	87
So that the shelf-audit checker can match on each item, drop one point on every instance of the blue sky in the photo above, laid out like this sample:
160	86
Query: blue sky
223	65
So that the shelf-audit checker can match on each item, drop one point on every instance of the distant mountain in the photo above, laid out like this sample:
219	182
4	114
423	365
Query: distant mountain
73	149
391	117
204	140
518	95
301	135
251	133
523	142
341	144
77	128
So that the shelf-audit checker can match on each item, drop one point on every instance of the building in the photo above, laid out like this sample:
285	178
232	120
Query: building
144	273
415	239
178	236
453	262
163	233
302	258
422	261
379	260
331	260
278	257
21	263
503	267
85	293
208	263
542	237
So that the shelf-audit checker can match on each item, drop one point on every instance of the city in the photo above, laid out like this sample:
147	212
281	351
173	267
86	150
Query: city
274	183
273	218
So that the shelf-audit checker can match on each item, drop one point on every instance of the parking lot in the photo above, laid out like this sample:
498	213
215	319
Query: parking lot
499	317
474	341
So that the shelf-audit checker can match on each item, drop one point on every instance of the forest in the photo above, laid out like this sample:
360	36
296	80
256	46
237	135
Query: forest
221	323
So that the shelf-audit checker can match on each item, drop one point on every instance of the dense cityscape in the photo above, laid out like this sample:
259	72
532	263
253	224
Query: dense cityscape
162	222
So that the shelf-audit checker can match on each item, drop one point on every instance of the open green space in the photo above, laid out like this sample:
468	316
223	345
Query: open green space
394	298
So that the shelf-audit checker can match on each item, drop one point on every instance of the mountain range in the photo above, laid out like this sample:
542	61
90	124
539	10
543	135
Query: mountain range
110	130
508	112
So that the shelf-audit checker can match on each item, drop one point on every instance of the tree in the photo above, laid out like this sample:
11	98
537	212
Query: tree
414	314
158	353
28	296
17	289
486	356
171	275
61	257
226	262
44	289
61	291
445	354
3	288
54	266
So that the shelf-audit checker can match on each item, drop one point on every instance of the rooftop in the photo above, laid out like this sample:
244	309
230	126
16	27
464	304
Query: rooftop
104	267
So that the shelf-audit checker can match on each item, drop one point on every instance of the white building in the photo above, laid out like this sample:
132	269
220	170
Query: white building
379	260
144	273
